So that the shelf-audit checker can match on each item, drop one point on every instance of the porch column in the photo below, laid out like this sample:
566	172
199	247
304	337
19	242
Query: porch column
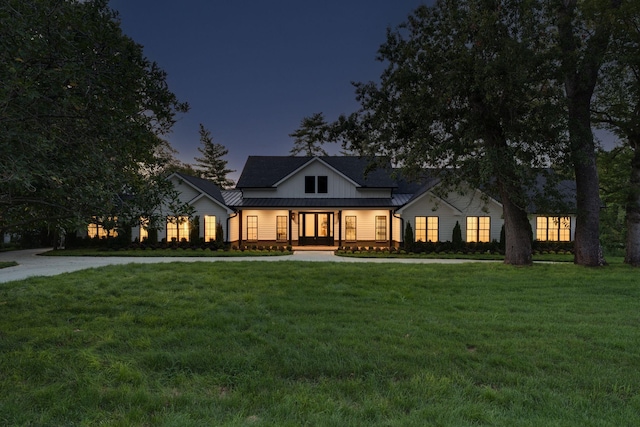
239	228
340	228
290	226
390	228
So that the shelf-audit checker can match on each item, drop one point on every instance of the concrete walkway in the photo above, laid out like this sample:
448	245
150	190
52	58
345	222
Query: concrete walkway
31	264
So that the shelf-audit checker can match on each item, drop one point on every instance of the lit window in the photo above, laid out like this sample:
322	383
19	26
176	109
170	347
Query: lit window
102	229
144	229
426	229
252	228
381	228
478	229
210	225
281	228
350	228
177	228
553	228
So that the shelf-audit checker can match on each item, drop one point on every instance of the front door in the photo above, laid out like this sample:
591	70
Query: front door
316	229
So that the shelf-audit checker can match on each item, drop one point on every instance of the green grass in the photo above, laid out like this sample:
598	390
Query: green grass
327	344
179	252
5	264
444	255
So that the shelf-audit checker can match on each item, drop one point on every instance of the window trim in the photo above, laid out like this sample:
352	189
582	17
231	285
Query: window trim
381	220
347	229
309	184
322	186
252	227
427	230
183	226
559	230
280	227
208	229
143	233
478	229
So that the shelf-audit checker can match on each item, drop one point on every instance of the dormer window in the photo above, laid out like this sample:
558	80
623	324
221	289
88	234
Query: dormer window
323	184
310	186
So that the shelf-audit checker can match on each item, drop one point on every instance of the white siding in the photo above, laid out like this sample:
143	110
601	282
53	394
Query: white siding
455	207
187	192
205	206
338	186
366	224
266	224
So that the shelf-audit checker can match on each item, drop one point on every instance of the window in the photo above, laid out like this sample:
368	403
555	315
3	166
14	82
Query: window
426	229
252	228
553	228
177	228
102	228
323	184
309	184
281	228
478	229
210	226
381	228
350	228
144	229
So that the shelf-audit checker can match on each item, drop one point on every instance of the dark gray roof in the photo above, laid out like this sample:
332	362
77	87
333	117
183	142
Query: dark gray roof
300	203
546	195
266	171
205	185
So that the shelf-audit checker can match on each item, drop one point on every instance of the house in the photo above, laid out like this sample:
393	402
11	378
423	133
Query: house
341	201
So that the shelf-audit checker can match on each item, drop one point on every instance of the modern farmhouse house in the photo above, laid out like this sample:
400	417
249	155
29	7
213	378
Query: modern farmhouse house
337	201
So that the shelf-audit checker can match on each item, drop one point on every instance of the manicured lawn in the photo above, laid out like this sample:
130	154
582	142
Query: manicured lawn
327	344
8	264
443	255
164	252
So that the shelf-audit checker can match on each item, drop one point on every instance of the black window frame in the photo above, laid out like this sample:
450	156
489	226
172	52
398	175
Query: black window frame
309	184
323	184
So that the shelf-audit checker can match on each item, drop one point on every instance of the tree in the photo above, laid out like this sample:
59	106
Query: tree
212	166
81	111
309	137
584	34
408	238
617	108
614	168
456	236
466	91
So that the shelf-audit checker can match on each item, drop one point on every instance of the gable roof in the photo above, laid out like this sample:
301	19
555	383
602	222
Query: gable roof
267	171
205	186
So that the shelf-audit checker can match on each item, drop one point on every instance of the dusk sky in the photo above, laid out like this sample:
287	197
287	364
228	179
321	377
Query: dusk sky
252	69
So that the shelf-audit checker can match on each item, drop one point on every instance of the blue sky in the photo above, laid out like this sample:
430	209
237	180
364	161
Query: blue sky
252	69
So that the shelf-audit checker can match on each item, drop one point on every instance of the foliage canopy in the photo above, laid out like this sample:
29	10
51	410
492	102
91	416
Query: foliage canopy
82	110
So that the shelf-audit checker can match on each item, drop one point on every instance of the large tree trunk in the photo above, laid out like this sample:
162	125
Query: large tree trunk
581	64
632	256
587	247
517	232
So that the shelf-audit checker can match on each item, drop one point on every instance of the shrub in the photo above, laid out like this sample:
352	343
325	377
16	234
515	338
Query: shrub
456	238
408	238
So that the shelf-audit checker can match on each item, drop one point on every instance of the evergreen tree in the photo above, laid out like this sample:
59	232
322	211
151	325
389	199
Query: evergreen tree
313	132
456	238
408	238
212	166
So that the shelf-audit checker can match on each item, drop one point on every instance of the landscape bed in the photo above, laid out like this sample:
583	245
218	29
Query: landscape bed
294	343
